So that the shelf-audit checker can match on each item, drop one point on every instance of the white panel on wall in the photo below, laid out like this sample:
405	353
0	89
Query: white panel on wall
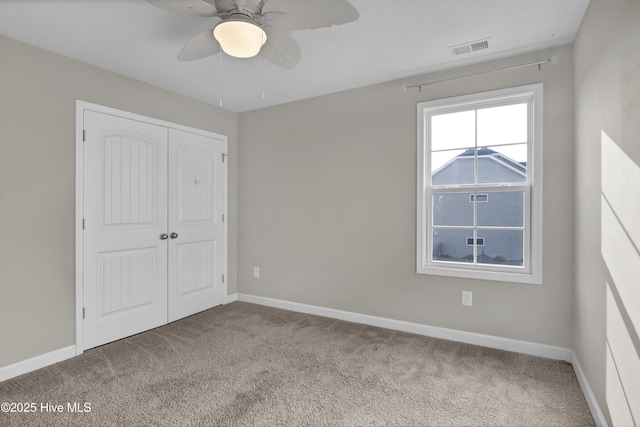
624	356
616	400
619	233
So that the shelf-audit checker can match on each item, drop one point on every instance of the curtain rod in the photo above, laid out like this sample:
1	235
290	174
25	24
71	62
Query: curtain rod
553	60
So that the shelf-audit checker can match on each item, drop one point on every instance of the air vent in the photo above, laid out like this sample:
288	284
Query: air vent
469	47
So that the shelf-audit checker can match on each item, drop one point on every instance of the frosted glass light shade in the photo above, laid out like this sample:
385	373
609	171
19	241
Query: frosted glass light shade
239	36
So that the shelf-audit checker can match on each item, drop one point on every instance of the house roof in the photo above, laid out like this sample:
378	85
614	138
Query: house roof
520	167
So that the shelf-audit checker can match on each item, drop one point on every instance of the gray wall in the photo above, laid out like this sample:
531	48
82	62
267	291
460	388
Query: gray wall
38	91
607	89
327	207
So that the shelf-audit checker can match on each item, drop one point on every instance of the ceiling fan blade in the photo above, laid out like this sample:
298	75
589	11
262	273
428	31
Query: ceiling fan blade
280	49
201	46
225	5
190	7
308	14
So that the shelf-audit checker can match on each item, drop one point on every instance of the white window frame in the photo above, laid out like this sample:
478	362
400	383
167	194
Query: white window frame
531	271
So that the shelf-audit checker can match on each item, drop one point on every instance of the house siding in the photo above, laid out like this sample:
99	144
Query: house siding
502	209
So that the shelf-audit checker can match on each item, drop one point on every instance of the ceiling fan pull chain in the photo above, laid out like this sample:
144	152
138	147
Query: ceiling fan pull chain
262	75
220	79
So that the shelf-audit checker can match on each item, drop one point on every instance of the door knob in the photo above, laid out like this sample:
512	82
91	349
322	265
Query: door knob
173	235
164	236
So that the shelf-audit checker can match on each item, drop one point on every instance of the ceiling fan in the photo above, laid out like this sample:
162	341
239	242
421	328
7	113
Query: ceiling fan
248	27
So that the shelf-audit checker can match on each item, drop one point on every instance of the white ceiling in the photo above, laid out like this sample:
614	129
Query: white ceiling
392	39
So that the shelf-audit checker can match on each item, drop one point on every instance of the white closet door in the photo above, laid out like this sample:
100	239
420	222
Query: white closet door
125	211
196	227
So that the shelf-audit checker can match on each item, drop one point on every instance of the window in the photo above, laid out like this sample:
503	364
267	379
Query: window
480	185
480	197
479	241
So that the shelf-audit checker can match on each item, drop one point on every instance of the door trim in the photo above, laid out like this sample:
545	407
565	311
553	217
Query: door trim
81	107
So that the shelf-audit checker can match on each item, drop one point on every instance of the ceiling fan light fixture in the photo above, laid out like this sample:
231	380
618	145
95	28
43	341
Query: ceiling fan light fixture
240	36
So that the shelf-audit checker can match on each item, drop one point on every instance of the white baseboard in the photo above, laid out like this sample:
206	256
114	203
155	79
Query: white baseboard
37	362
525	347
596	412
231	298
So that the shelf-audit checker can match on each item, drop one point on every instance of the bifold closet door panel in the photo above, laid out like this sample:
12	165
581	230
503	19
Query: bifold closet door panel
125	214
196	227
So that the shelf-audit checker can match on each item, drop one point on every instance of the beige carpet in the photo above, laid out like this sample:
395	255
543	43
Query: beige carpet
244	364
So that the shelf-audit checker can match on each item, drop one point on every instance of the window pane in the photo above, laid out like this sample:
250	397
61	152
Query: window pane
456	167
502	164
501	209
453	130
504	247
502	125
451	245
452	209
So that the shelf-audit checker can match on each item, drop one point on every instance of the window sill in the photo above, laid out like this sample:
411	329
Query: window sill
493	275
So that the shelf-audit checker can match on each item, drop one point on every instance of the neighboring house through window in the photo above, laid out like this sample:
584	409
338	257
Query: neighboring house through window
480	185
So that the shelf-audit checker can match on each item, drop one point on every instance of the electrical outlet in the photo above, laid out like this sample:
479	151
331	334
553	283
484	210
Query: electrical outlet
256	272
467	298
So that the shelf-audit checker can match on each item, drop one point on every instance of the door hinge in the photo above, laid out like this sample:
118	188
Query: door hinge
223	278
83	225
84	135
83	312
222	217
224	157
